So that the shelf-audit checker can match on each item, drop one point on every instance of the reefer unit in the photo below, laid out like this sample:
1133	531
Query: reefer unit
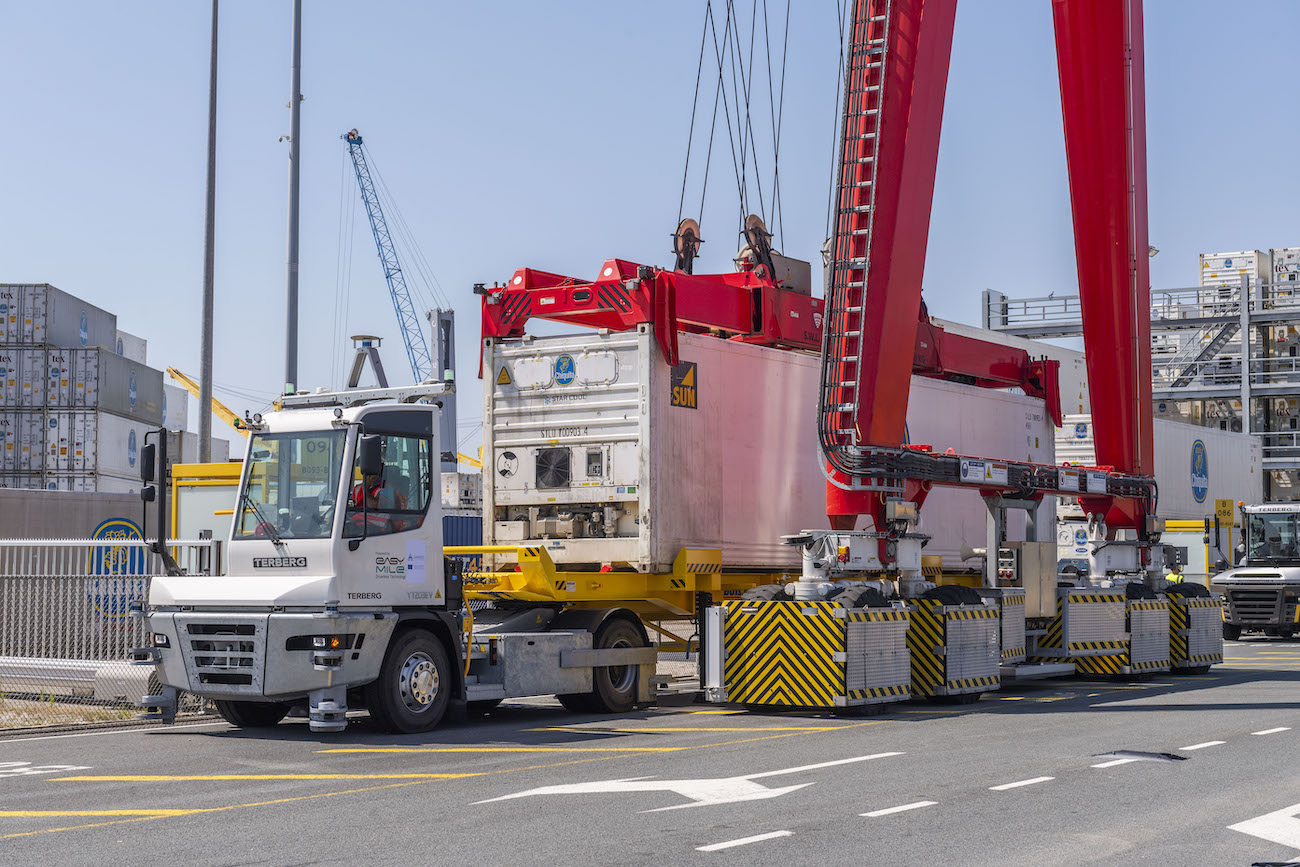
1194	465
601	452
85	441
22	443
38	314
1226	269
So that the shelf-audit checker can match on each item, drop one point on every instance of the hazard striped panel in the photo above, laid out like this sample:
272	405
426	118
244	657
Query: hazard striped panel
1012	605
1195	633
948	657
784	653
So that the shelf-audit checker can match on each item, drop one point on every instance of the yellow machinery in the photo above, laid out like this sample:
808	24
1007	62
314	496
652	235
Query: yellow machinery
219	409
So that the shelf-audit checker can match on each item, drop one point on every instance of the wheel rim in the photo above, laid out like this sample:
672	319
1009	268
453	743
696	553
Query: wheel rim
418	682
621	677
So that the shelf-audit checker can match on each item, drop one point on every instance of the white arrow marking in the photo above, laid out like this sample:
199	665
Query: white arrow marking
1281	826
701	793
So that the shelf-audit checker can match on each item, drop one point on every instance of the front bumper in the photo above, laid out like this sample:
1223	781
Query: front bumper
246	656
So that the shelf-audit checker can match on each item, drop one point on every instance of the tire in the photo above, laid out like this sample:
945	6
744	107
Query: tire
251	714
614	686
766	593
1134	590
1231	632
414	684
861	597
1187	589
954	594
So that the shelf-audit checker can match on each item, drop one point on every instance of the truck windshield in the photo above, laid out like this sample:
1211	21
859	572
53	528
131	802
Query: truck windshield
1273	536
290	487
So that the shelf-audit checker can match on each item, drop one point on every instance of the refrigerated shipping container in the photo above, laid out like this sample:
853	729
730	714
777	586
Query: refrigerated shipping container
38	314
1227	269
22	442
132	348
598	450
86	441
1285	267
1194	465
175	407
96	378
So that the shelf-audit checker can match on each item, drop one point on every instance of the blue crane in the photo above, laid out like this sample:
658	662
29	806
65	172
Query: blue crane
417	349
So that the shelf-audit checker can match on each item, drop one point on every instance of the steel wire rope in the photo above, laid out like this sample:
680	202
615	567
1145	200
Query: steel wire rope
695	102
720	53
742	85
339	325
778	211
413	249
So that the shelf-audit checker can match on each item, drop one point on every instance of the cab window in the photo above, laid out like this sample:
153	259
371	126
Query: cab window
398	498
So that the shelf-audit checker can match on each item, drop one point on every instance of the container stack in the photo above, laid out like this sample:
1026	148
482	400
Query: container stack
76	394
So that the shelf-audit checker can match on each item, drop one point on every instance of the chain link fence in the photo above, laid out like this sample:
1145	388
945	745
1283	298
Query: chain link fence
67	631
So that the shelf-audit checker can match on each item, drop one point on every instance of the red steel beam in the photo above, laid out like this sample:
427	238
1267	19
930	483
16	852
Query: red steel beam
1100	60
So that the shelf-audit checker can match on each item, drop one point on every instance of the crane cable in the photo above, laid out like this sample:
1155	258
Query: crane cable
742	139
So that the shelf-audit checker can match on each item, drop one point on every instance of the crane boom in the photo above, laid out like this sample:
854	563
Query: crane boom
219	409
417	349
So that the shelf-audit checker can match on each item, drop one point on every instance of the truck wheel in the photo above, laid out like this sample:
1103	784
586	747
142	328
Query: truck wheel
614	686
251	714
410	695
1231	631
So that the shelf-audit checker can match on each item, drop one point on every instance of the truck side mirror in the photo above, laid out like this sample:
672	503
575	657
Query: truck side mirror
370	458
148	462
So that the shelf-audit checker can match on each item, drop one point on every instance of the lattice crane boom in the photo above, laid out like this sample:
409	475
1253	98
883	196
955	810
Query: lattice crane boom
417	348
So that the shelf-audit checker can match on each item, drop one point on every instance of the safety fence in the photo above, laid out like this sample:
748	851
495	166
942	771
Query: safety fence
67	629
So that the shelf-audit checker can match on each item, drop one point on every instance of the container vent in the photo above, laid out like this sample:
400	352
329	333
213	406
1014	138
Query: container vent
553	468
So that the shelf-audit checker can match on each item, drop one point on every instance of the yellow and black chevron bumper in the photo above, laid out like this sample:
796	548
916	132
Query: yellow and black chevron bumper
1195	631
815	654
955	648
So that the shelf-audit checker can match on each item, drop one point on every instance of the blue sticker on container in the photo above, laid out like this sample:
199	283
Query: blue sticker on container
130	448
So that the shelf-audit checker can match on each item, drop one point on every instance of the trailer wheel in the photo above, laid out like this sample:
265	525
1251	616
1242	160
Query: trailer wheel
251	714
1231	631
410	695
613	686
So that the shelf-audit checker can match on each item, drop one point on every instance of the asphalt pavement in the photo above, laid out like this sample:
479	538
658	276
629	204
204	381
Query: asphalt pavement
1175	770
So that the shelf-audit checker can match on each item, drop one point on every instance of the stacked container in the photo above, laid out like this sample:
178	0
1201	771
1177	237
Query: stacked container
76	398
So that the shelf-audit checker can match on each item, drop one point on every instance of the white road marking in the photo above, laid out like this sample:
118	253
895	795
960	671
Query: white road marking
123	731
905	807
1281	826
1273	731
27	769
1204	745
820	765
744	841
1114	762
702	792
1018	784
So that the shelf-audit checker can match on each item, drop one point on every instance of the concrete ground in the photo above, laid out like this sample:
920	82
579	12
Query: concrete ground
1028	776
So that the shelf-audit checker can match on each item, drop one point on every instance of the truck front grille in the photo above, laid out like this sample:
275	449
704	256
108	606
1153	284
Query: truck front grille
223	655
1255	605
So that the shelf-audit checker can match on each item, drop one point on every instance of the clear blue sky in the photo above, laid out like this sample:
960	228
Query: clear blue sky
552	135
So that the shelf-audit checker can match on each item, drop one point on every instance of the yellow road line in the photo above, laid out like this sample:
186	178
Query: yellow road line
169	778
605	730
40	814
504	750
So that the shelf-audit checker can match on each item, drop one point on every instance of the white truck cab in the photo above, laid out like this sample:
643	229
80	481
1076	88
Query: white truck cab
338	591
1262	593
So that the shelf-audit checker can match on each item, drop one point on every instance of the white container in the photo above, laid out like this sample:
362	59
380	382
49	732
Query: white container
38	314
22	442
26	481
1285	267
23	378
99	379
1231	469
131	347
1226	269
79	441
462	490
175	407
734	465
103	483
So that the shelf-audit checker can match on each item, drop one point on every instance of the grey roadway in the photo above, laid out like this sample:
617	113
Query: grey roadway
536	785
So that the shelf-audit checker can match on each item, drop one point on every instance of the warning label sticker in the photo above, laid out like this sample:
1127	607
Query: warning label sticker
685	389
503	378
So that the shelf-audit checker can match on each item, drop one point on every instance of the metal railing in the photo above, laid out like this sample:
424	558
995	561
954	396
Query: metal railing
1273	375
66	628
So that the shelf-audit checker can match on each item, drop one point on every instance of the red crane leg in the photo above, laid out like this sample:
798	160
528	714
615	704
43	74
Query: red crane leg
1099	55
